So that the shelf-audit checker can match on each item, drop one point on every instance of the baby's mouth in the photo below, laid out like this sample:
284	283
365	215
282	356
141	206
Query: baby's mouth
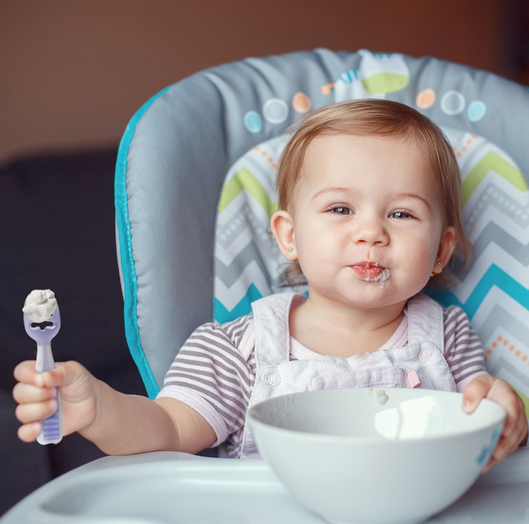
371	271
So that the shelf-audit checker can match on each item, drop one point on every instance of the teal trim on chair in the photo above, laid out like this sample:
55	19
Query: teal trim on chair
244	307
128	270
494	276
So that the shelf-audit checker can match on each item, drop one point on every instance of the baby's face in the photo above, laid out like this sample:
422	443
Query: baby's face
368	223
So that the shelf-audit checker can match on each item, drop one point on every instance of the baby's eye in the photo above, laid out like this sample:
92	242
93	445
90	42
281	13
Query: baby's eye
342	210
400	214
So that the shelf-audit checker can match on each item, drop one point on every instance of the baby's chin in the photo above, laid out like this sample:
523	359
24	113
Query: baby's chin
363	293
372	295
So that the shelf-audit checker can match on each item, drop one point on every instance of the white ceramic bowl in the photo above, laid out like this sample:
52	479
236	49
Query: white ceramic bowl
375	456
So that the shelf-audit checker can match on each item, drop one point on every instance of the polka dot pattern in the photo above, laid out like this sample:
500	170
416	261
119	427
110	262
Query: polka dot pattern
459	152
425	99
499	200
501	341
476	110
267	156
301	103
275	111
453	102
253	122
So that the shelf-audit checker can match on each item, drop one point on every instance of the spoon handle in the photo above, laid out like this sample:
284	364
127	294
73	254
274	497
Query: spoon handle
52	426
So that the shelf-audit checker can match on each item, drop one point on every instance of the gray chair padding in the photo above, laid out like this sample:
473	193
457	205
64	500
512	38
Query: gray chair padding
178	148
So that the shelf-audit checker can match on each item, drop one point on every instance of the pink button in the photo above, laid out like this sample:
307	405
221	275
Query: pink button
413	379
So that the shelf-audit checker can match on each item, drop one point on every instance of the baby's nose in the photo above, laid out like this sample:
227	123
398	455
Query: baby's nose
370	231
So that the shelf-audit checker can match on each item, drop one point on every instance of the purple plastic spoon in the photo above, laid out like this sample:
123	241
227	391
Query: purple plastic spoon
42	333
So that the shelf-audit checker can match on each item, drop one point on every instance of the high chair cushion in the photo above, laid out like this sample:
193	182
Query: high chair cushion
195	190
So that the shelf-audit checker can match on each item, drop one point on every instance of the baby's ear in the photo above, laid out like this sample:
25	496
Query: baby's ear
282	227
447	244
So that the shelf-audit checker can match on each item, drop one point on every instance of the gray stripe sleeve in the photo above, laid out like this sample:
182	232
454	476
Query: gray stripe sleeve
211	365
463	349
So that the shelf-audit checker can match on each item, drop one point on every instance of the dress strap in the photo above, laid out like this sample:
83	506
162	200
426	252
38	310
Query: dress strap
272	333
425	321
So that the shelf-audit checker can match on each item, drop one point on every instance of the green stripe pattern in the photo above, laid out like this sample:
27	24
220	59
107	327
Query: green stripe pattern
492	162
243	179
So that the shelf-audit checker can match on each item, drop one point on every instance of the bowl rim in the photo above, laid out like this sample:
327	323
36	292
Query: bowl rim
349	439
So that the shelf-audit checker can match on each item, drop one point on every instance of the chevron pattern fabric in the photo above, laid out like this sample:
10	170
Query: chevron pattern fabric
248	264
493	290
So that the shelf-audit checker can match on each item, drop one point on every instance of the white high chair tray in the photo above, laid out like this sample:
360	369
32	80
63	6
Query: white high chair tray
173	488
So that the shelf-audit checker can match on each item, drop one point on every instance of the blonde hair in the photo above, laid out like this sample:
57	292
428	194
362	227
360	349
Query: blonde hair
381	118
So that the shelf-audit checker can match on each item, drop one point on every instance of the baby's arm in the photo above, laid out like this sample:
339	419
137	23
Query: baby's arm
118	424
515	430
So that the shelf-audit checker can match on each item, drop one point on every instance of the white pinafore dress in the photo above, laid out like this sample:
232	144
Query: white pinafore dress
421	363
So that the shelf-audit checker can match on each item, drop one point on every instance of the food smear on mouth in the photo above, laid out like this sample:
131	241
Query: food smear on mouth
372	272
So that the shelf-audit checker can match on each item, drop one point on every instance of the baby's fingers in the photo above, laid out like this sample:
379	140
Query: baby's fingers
491	463
29	432
25	372
506	445
64	374
24	393
29	413
515	422
475	391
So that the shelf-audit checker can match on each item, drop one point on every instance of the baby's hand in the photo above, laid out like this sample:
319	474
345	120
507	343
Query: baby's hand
36	394
515	428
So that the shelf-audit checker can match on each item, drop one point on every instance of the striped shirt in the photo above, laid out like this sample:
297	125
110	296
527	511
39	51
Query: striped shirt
214	374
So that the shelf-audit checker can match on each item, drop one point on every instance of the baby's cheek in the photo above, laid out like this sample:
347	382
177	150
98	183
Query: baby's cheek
422	264
314	270
427	250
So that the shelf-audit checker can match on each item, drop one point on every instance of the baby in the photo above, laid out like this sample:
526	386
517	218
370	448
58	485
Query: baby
369	196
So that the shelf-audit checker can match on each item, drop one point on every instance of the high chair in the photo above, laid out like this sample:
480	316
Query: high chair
194	191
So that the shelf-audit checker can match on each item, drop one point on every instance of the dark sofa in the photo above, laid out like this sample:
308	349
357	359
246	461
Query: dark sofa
57	223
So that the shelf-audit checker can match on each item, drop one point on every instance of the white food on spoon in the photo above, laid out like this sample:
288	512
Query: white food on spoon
40	305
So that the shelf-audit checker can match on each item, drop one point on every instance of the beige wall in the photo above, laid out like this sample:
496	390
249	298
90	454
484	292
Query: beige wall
74	71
